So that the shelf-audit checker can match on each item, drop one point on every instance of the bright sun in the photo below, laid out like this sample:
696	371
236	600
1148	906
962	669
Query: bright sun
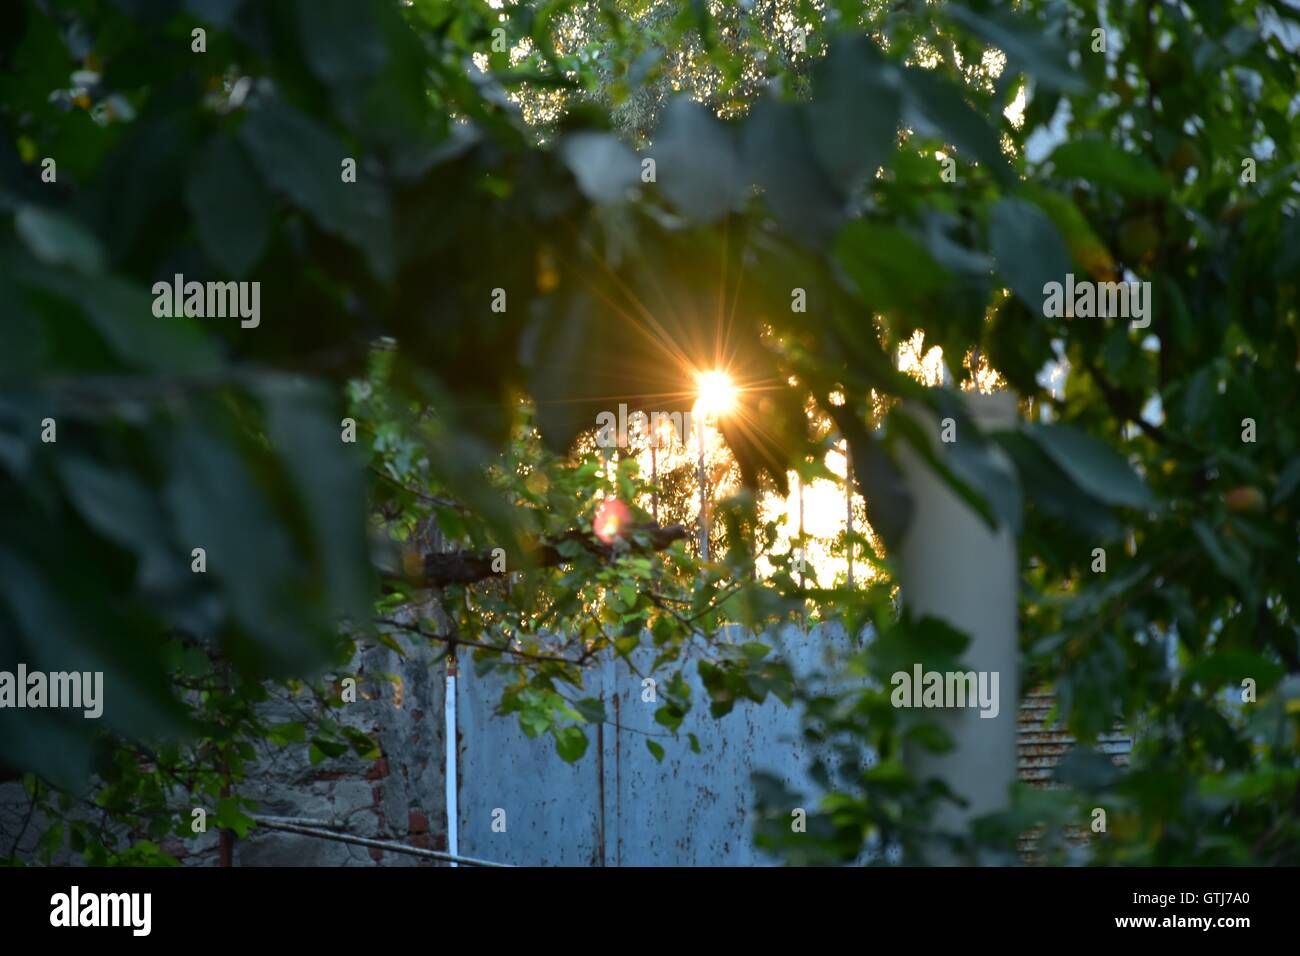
717	394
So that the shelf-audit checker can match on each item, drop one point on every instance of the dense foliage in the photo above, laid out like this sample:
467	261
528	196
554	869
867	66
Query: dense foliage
809	152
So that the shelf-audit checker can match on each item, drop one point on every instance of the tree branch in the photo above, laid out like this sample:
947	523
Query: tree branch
466	567
447	639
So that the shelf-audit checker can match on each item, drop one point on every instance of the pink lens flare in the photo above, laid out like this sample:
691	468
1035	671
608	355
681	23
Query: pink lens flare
612	516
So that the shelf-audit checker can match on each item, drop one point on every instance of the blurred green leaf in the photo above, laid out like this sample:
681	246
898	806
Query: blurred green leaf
231	207
59	240
1093	466
303	160
1028	250
1105	164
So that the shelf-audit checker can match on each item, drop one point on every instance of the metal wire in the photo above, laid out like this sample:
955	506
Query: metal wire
313	828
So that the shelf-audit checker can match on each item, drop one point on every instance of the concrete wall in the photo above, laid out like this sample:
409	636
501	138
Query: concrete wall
618	806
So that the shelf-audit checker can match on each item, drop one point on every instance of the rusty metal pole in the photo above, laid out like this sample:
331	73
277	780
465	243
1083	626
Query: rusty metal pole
953	567
226	837
225	845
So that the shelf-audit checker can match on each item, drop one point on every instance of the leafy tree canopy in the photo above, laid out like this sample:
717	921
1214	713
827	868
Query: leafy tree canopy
501	271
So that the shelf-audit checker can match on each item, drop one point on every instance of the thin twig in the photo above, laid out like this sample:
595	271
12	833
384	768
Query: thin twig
429	499
446	639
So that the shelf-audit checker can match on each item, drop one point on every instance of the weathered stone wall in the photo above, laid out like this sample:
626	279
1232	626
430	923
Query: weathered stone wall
398	797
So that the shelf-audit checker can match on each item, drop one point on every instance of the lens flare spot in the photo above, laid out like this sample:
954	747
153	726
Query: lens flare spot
612	517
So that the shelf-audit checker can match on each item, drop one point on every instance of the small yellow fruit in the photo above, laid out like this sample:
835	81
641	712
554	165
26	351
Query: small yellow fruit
548	277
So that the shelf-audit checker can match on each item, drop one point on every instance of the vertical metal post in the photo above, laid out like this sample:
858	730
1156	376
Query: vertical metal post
449	724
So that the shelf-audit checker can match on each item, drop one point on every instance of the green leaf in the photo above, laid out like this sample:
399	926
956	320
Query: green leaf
1026	46
655	749
1028	250
303	424
56	748
289	732
888	500
74	626
669	717
1094	466
219	13
1105	164
570	743
1287	481
854	112
796	189
604	168
1084	244
51	841
952	255
567	330
122	313
59	240
341	40
126	512
1085	769
1052	491
887	265
696	162
1238	787
330	748
592	709
231	207
1230	559
931	736
934	101
303	160
972	463
231	816
1229	667
217	505
362	743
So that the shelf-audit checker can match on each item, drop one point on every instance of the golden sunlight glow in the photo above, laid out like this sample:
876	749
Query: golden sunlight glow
924	365
718	395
